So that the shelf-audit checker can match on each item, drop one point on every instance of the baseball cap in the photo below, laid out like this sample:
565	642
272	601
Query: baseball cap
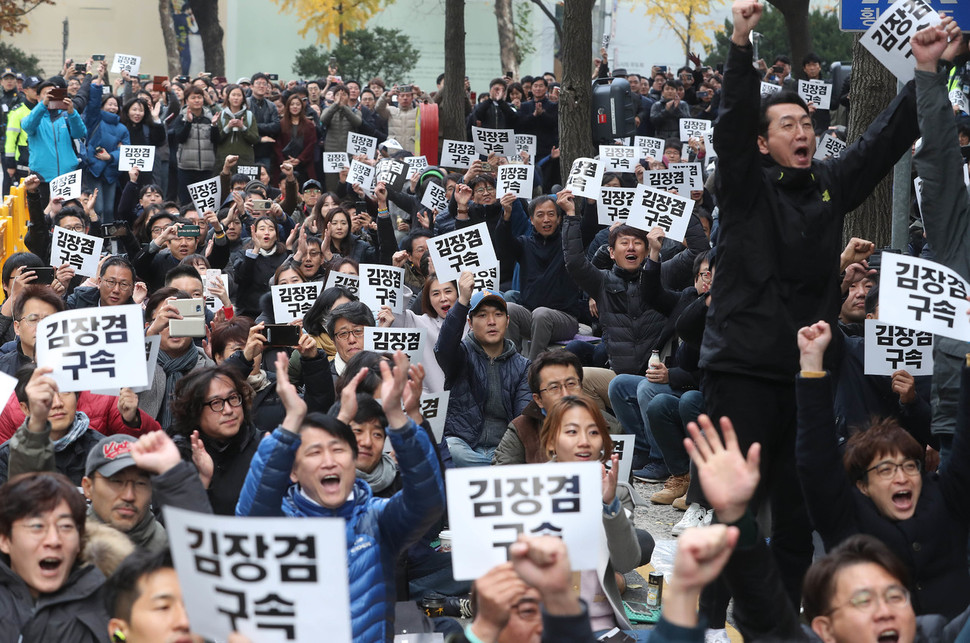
31	82
486	297
53	81
390	144
311	183
7	71
244	81
110	455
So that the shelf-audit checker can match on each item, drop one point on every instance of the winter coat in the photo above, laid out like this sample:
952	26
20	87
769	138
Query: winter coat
196	141
308	133
340	121
465	365
666	122
545	126
70	461
252	277
378	529
401	125
231	464
106	131
238	142
267	124
49	140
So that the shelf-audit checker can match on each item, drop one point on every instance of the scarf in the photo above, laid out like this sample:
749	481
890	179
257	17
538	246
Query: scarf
148	533
382	476
267	253
80	425
243	113
259	381
175	368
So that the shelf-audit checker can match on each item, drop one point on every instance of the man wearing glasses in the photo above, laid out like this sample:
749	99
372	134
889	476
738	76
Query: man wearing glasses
32	305
116	286
346	327
267	119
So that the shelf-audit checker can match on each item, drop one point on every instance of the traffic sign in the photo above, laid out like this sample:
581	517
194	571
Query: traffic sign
859	15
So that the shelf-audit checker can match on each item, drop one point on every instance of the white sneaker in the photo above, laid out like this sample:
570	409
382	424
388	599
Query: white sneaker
693	517
709	518
716	636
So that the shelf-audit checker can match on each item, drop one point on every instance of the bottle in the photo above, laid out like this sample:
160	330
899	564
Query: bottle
655	361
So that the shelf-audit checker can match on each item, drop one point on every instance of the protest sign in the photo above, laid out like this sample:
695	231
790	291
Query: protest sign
126	62
668	180
140	156
270	579
344	280
82	251
392	173
614	205
515	178
618	158
358	144
488	507
416	165
8	384
829	147
464	249
291	301
694	174
434	409
526	143
494	141
457	154
94	348
252	171
623	446
923	295
658	208
891	348
769	88
585	178
333	162
211	302
363	175
959	100
389	340
649	146
816	91
434	197
66	186
888	38
690	127
382	286
710	152
152	343
206	195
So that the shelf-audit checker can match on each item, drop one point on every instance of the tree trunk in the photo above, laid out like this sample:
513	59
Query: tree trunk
206	14
508	49
575	129
454	103
799	35
168	35
873	88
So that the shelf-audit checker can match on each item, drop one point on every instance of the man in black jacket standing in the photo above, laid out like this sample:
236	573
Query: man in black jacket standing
267	119
778	265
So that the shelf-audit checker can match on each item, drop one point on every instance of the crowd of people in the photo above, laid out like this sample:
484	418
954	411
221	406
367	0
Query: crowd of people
733	357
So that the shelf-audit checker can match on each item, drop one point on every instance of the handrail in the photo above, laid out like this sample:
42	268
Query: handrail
13	224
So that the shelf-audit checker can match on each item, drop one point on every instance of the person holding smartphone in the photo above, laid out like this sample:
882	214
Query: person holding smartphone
106	135
51	132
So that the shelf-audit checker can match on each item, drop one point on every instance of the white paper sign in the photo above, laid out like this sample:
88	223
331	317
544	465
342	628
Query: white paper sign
693	127
614	205
363	174
434	409
80	250
488	507
358	144
271	579
333	162
526	143
515	178
618	158
94	348
769	88
344	280
585	178
140	156
888	37
668	180
389	340
291	301
66	186
892	348
416	165
434	197
816	91
457	154
923	295
623	446
658	208
694	173
152	344
829	146
463	249
382	286
485	278
498	141
959	100
8	384
126	62
211	302
708	137
649	146
206	195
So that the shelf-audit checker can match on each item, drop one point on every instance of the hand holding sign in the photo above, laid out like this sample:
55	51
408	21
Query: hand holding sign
888	39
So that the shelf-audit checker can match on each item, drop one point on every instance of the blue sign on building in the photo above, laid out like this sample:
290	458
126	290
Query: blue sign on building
859	15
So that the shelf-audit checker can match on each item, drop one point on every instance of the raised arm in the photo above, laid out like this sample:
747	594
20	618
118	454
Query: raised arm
586	276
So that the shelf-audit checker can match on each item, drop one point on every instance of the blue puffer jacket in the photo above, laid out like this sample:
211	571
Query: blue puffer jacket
466	375
49	140
104	130
378	529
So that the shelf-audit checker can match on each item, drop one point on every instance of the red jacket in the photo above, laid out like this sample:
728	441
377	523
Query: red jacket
102	410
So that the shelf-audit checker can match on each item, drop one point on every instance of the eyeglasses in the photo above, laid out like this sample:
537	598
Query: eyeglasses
571	384
486	190
344	334
707	275
38	528
311	191
887	470
74	228
113	283
32	319
158	229
219	403
866	600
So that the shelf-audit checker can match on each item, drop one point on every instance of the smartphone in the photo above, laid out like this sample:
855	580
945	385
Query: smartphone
114	229
80	68
606	41
333	62
703	94
97	57
282	334
486	167
662	68
778	69
144	76
190	307
508	74
45	275
274	77
213	276
262	205
189	230
56	98
189	327
182	79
